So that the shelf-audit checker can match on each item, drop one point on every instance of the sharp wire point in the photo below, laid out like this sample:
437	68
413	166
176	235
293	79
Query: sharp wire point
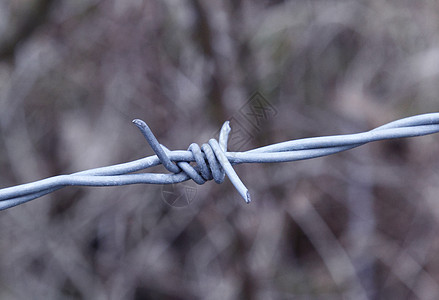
248	199
156	147
213	161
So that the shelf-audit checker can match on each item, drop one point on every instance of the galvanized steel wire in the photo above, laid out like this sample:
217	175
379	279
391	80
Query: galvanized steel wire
213	161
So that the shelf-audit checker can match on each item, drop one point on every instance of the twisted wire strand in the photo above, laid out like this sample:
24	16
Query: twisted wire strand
213	161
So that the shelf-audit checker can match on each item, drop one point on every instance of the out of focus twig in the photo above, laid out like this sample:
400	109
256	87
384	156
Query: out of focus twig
35	16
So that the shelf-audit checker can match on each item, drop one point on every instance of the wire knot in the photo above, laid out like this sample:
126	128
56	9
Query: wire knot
211	159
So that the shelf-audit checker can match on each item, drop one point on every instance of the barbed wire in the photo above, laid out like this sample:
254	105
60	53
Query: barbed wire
213	161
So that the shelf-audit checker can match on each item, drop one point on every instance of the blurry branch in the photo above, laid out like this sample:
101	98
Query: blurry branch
203	35
36	16
406	267
328	247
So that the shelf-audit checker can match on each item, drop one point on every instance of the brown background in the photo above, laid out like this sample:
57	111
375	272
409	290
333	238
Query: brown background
360	225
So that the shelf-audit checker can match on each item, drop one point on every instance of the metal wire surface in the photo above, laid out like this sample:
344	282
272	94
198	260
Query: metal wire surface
213	160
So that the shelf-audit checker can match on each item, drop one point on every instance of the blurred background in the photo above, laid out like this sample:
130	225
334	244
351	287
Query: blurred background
356	225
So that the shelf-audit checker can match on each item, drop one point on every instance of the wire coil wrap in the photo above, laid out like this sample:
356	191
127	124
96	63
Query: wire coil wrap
213	161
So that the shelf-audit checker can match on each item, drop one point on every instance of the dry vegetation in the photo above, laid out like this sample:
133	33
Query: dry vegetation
359	225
